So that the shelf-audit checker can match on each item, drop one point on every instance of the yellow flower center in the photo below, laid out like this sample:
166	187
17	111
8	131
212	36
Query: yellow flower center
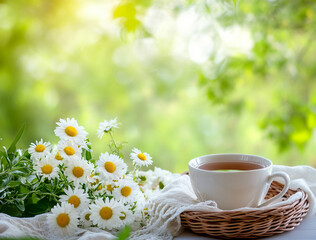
74	200
99	187
47	169
40	148
69	151
58	157
87	216
106	213
126	191
110	167
71	131
63	219
95	182
77	172
123	216
141	156
109	187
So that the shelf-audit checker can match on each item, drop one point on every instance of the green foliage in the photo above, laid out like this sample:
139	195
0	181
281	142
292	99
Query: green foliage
282	82
12	147
127	14
124	233
142	178
22	193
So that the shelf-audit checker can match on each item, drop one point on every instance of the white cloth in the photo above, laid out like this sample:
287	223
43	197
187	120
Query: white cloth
165	210
13	227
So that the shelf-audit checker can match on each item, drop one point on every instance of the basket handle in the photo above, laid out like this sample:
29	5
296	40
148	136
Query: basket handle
284	190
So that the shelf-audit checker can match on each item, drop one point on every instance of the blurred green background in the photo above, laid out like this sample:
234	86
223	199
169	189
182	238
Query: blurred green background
185	78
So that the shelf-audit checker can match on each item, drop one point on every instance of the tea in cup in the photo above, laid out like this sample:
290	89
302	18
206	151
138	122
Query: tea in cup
234	180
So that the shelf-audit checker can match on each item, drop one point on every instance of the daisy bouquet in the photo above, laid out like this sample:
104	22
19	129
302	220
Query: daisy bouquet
76	189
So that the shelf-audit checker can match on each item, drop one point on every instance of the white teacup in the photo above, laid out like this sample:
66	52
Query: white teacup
235	189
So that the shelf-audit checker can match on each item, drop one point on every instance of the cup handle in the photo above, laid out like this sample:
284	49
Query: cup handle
284	190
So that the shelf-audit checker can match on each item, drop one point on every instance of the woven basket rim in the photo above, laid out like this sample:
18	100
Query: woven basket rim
249	223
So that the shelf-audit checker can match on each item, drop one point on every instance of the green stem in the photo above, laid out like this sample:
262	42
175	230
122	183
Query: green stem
40	193
135	171
117	150
8	161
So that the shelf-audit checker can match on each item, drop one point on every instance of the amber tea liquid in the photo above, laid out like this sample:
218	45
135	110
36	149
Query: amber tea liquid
230	166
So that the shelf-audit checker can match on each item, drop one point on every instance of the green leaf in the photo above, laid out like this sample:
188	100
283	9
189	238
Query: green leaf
142	178
42	206
31	178
20	205
17	172
14	183
87	154
3	189
235	2
35	198
12	148
125	10
11	210
24	189
2	154
124	233
15	160
300	136
5	181
311	120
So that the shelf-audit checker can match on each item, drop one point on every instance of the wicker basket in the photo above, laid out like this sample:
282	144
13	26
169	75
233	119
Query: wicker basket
249	224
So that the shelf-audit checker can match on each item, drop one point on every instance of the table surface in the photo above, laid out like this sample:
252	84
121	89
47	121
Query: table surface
305	231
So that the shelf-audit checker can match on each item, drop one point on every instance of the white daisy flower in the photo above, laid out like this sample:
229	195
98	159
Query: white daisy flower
39	149
104	188
55	155
76	197
110	187
145	177
140	159
70	130
84	219
127	216
68	150
106	214
111	167
62	220
46	168
78	170
163	177
139	216
58	157
96	184
100	189
106	126
127	191
93	179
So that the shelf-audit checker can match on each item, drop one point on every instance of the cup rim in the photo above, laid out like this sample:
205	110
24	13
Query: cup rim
192	163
